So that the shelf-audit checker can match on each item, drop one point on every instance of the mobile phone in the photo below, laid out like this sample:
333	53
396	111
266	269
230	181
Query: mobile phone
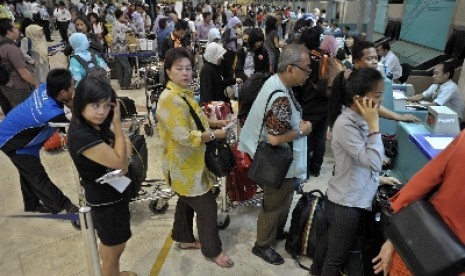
361	99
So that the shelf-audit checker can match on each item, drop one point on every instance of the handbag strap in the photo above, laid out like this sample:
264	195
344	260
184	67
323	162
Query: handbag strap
194	115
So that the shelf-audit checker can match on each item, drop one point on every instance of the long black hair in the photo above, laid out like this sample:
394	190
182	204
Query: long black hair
360	82
91	90
270	24
255	35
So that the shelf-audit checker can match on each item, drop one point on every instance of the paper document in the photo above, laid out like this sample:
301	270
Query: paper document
398	95
439	142
115	179
119	183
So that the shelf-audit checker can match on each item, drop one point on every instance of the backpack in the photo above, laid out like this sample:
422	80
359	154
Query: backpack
249	92
4	72
308	224
96	71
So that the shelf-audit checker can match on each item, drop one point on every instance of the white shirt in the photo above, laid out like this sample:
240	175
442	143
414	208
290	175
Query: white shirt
35	7
447	95
62	15
393	65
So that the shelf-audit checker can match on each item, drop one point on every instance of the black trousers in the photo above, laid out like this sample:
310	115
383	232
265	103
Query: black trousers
206	209
63	28
36	185
316	141
46	25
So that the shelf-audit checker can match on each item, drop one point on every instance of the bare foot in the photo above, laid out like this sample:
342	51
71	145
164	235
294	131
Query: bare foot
223	260
190	245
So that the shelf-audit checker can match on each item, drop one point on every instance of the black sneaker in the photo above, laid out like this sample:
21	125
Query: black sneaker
40	208
268	254
70	208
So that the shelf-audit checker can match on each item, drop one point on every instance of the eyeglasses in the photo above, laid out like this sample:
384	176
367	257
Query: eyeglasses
308	71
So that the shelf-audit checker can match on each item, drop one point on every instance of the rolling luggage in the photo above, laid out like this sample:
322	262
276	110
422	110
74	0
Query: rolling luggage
238	185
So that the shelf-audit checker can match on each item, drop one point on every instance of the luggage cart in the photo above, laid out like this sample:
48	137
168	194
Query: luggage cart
221	183
223	218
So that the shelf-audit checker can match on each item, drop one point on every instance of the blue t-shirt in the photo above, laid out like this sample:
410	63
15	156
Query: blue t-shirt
25	129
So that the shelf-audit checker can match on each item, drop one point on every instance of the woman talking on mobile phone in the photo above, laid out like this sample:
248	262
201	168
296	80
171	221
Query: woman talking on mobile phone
96	149
358	152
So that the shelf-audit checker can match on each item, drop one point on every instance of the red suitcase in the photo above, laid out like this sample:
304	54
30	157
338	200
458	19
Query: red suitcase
238	186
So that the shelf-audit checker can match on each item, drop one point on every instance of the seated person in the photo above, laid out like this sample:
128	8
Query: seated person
443	91
389	59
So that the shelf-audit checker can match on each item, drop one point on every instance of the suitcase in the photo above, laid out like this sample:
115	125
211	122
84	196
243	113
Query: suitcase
217	110
238	185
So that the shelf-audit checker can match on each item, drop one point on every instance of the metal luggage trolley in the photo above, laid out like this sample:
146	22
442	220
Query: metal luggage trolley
223	218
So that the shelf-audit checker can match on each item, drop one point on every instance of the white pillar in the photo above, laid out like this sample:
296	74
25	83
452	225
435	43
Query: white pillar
361	15
371	21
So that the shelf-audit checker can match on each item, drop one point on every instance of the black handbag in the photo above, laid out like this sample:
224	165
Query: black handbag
219	158
425	242
270	163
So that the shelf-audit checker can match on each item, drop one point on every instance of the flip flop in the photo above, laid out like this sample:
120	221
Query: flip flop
186	246
223	261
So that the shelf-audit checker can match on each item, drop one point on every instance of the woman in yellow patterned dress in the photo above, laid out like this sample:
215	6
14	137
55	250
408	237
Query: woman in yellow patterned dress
183	158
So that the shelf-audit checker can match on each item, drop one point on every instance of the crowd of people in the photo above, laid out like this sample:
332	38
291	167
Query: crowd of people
295	108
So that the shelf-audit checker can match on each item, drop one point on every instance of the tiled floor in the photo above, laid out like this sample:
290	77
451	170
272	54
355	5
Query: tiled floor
34	245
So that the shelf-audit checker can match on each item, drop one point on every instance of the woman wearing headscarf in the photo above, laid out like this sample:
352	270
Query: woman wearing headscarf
212	84
230	44
38	51
331	65
83	26
80	45
139	24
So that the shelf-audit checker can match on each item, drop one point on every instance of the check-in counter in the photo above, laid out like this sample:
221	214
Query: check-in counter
398	106
416	147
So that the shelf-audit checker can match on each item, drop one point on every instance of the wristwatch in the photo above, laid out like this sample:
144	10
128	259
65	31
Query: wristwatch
212	136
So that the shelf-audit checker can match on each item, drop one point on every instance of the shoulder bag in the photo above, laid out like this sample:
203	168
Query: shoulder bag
270	163
219	157
425	242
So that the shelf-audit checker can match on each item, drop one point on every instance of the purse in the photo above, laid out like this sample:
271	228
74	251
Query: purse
425	243
219	157
270	163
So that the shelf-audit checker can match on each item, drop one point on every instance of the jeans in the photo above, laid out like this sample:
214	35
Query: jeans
123	70
316	141
334	247
36	185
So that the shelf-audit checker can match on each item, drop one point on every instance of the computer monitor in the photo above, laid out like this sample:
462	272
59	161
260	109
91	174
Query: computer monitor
442	120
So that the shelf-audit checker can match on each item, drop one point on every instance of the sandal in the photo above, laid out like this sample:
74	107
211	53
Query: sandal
223	260
192	245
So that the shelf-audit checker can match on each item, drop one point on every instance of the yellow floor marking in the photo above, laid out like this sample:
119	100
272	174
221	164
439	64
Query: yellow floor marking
161	258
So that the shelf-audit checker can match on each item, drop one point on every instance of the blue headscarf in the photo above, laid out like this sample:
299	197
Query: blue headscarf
80	46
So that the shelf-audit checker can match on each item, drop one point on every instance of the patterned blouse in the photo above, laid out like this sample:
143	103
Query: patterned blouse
183	156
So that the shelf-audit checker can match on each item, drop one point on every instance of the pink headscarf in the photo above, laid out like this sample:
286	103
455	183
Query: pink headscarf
329	45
